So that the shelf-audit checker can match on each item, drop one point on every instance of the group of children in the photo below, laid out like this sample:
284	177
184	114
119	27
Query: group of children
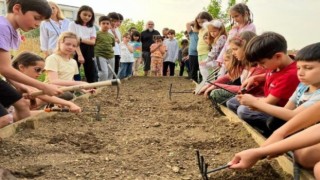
261	83
281	93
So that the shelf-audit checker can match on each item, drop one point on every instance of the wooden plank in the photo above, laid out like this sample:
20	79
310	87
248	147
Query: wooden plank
284	161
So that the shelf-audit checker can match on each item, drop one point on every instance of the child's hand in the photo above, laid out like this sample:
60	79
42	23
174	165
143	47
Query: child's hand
245	159
51	90
203	63
248	83
74	108
81	59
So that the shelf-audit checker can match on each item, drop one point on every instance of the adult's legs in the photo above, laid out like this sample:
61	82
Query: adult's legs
147	60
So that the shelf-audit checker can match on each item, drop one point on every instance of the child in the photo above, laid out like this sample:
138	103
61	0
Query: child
171	56
25	15
183	56
114	30
60	68
269	51
137	51
84	28
193	53
217	37
306	94
126	60
51	29
157	50
306	143
241	21
103	50
202	46
240	69
32	65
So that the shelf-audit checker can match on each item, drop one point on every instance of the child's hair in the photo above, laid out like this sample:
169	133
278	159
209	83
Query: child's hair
171	31
62	37
26	59
103	18
309	53
135	33
215	24
202	15
114	16
79	20
228	55
132	28
126	34
59	13
120	17
244	10
184	42
40	6
242	41
265	46
156	37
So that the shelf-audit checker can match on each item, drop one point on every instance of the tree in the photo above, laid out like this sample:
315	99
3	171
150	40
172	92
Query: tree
215	9
127	23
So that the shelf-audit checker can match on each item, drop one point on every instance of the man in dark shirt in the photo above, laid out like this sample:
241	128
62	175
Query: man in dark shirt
146	40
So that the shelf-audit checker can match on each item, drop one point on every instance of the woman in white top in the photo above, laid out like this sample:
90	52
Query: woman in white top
51	29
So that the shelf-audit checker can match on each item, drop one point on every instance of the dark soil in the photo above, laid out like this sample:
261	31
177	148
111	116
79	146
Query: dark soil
142	135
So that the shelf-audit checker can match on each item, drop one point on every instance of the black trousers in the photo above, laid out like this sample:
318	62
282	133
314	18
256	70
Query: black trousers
116	63
171	66
90	70
194	67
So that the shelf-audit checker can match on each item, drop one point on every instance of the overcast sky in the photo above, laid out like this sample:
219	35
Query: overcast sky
297	20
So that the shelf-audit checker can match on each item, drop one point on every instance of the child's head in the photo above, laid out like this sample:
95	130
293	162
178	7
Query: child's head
135	36
215	29
202	18
56	11
29	64
126	37
157	39
171	33
233	66
85	16
165	32
266	50
240	14
67	43
104	23
239	43
308	63
33	12
114	18
132	29
184	42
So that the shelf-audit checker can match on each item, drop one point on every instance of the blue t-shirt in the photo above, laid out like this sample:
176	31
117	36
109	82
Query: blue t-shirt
302	97
193	43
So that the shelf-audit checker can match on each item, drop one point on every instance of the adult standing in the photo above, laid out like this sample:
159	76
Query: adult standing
147	40
51	29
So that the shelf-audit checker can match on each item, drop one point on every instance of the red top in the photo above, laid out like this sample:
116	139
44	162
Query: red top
282	84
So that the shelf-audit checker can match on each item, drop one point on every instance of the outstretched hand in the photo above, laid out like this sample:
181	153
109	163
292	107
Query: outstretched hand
245	159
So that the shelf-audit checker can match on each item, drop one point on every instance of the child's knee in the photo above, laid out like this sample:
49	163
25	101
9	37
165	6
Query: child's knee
316	170
6	120
22	104
305	157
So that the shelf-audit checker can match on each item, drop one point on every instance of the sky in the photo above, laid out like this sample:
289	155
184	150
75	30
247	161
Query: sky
296	20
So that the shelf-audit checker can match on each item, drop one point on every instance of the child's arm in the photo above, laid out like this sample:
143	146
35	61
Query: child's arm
129	46
248	83
285	113
11	73
248	158
55	100
300	121
91	41
154	47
